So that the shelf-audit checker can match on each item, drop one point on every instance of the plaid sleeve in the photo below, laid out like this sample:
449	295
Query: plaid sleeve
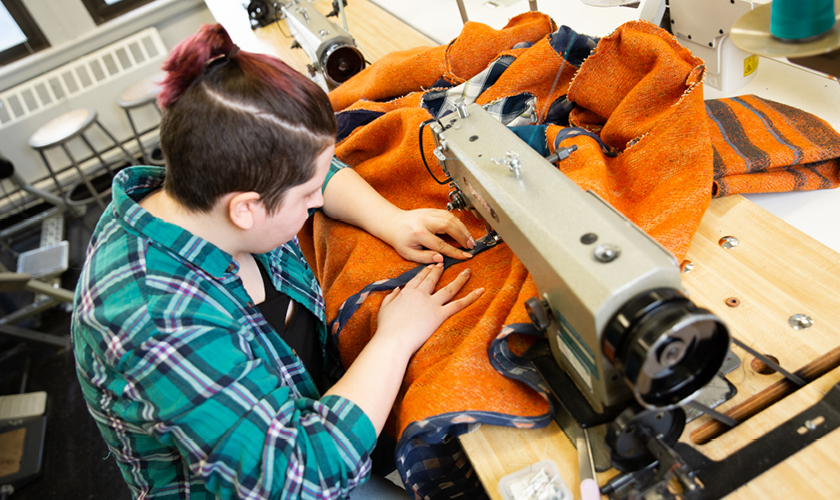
173	373
335	166
194	389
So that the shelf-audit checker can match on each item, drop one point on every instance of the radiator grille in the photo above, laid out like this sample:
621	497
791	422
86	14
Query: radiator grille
80	76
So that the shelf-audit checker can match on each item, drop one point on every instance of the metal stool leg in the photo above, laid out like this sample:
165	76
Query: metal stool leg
52	173
87	182
95	152
137	136
118	143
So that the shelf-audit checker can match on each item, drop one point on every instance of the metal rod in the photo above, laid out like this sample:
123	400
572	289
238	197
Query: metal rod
463	11
87	182
769	362
720	417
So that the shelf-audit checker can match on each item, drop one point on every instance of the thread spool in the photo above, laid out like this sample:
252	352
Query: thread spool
789	28
801	20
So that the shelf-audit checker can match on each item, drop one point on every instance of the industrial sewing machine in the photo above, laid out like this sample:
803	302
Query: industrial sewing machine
333	52
627	350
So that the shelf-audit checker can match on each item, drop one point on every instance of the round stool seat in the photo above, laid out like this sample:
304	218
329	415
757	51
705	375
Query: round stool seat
143	92
62	128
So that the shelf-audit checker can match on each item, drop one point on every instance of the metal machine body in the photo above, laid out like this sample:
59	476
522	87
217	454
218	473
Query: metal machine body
333	52
605	286
707	36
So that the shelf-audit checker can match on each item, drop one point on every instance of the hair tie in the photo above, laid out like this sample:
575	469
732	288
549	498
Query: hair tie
232	52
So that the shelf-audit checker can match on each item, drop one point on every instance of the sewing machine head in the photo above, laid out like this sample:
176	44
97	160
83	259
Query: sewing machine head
610	297
332	50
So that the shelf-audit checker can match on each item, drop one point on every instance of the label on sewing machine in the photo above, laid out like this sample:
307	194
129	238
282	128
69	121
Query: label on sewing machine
574	349
750	65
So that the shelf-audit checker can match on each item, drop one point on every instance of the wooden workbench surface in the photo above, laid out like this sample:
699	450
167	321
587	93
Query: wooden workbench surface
775	272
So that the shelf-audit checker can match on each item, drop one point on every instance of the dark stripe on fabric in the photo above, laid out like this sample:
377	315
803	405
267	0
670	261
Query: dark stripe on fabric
825	183
717	162
719	187
734	133
797	152
808	125
799	178
348	121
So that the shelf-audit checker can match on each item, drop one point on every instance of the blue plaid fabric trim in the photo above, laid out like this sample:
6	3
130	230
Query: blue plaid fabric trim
352	303
569	132
442	102
432	463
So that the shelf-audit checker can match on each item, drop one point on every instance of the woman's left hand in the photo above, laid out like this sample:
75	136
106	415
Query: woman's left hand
414	235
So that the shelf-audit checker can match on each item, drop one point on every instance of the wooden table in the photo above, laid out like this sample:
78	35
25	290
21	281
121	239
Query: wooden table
775	272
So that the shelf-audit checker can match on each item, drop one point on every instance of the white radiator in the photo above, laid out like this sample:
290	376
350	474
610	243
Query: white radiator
82	75
95	80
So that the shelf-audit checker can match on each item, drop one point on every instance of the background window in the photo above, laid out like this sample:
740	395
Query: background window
105	10
19	35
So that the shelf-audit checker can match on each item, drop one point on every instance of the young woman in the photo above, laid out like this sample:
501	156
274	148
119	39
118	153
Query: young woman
198	326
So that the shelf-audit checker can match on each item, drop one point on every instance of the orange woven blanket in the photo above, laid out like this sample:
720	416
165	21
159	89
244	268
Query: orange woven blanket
661	153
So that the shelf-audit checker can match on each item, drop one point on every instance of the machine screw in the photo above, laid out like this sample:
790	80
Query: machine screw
606	252
728	242
800	322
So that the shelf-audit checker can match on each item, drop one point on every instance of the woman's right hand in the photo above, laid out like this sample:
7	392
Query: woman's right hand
416	311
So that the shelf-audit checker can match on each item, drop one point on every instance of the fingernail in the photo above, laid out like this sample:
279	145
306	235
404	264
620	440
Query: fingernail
465	272
479	291
466	255
471	243
439	264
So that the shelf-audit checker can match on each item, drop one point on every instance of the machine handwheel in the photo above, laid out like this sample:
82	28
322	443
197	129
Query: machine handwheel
258	12
628	434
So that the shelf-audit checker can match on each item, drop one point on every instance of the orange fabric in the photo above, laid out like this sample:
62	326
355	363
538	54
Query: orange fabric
640	90
402	72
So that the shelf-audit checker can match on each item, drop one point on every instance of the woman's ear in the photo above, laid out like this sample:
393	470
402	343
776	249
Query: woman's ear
245	209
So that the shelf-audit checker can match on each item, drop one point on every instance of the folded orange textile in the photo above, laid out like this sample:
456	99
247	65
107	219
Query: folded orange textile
660	153
414	70
762	146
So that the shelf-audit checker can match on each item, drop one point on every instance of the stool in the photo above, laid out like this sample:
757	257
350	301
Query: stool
59	131
142	93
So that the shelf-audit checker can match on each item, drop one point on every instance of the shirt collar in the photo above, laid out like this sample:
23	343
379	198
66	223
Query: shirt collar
133	183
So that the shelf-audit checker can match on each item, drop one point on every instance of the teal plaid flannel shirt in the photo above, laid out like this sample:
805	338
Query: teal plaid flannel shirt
195	394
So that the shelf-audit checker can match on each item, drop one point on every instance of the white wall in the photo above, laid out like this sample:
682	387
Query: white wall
72	37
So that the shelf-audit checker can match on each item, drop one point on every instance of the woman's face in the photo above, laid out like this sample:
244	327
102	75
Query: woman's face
281	226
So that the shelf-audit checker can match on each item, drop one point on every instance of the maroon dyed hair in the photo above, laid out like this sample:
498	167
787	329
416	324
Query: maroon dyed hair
236	121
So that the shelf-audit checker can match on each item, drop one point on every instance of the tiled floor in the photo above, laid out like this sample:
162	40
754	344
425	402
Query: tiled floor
75	463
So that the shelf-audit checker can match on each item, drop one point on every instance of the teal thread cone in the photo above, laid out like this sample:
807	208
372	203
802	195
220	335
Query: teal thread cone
801	19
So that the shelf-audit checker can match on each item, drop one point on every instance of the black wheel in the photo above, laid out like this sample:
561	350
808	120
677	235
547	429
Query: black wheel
258	12
628	434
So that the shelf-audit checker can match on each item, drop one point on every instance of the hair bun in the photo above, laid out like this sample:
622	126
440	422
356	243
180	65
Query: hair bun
187	60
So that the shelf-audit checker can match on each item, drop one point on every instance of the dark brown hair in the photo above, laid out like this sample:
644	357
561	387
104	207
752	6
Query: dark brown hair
237	121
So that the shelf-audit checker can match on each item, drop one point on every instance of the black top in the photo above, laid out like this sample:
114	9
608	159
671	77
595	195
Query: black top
301	334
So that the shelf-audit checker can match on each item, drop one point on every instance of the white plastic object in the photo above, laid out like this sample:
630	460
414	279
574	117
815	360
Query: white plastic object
538	481
20	406
46	261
